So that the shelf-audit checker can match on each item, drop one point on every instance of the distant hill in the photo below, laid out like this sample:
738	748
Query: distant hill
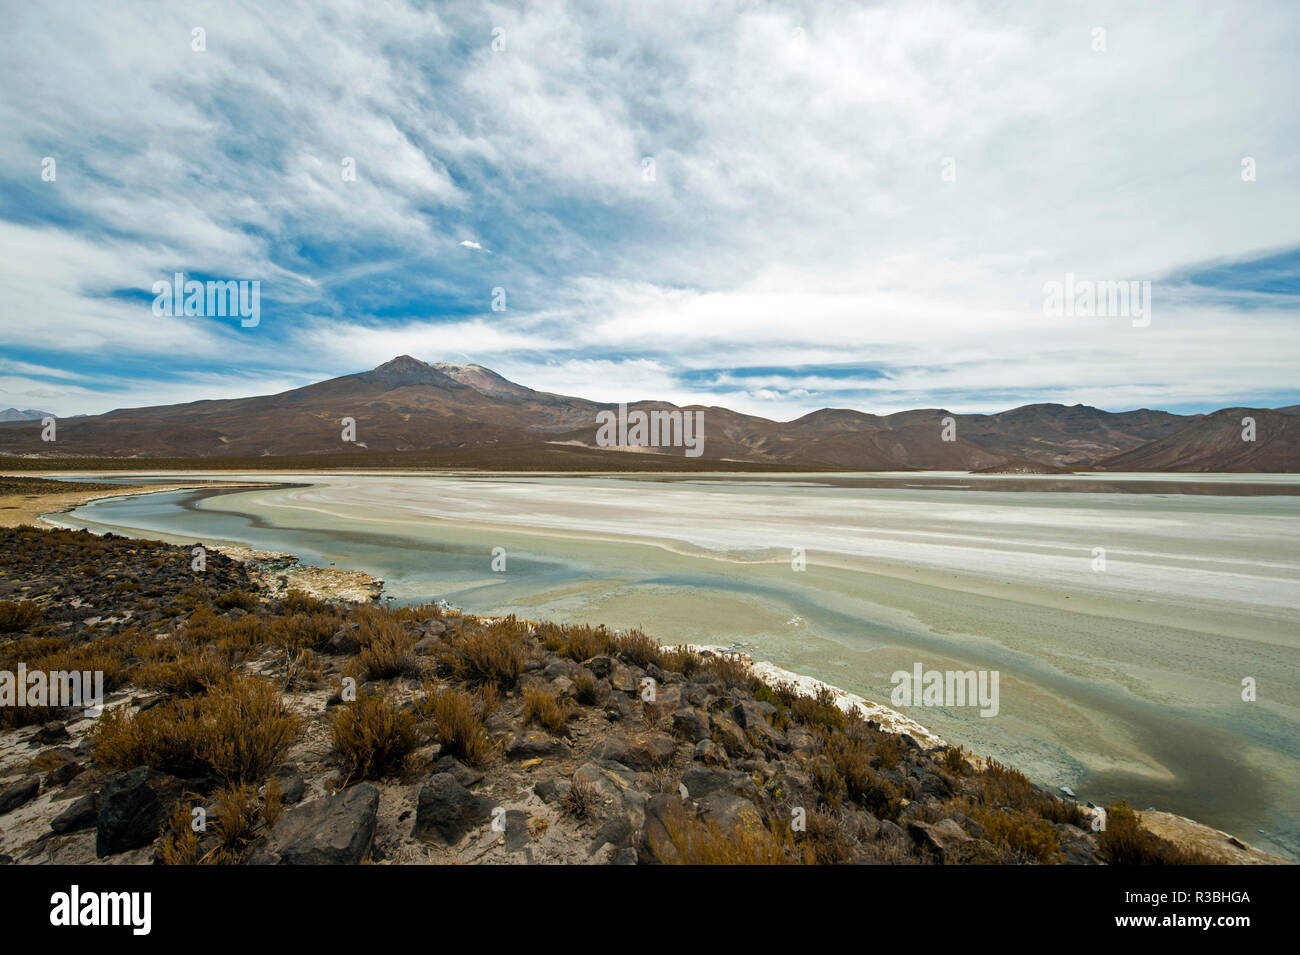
26	414
470	413
1215	443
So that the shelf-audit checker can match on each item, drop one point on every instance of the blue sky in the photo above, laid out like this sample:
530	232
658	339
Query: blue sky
851	205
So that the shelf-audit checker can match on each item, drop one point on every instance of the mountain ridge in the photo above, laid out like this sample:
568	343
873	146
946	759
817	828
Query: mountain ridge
409	405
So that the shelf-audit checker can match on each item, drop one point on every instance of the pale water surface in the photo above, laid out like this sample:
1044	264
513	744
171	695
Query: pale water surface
1120	682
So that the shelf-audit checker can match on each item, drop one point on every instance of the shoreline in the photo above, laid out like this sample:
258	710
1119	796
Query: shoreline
280	571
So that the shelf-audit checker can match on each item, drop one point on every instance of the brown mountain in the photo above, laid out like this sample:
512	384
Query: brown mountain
407	407
1216	443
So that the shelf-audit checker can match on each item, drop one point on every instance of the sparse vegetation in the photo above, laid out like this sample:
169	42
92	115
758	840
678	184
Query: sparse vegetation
373	736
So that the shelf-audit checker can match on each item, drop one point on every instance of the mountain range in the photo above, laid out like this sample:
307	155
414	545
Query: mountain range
24	414
405	408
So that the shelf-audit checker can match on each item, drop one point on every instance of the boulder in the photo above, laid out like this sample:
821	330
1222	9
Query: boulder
52	732
662	811
344	641
132	808
19	794
690	724
944	837
710	753
533	743
81	814
446	810
292	786
335	830
467	777
667	700
648	750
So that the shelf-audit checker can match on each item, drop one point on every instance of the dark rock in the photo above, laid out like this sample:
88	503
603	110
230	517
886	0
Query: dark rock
600	666
727	732
52	732
690	724
648	750
532	743
335	830
292	786
549	790
19	794
558	668
1077	847
667	700
467	777
616	831
700	782
132	808
446	810
517	834
345	641
63	774
729	810
82	814
662	810
710	753
943	837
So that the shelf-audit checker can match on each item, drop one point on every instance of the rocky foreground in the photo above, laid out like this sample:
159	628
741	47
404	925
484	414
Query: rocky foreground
250	723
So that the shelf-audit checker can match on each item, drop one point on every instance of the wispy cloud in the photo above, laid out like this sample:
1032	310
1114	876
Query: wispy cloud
668	195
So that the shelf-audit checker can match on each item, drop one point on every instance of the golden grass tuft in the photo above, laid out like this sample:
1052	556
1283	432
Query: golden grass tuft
239	731
543	707
373	736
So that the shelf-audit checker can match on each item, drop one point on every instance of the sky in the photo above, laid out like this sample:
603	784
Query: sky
774	207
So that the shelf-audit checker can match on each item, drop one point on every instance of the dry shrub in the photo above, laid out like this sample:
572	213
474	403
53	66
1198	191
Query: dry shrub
1125	842
238	731
583	643
373	736
272	802
703	842
1026	838
18	614
1000	785
457	717
581	800
953	759
818	710
296	601
236	598
851	759
237	813
491	653
387	650
543	707
730	670
825	840
180	843
680	660
585	688
637	648
187	672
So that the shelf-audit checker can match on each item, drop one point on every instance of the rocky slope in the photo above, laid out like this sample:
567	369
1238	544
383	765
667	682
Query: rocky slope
252	725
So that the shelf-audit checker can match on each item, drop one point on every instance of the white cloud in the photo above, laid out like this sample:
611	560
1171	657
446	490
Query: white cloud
797	214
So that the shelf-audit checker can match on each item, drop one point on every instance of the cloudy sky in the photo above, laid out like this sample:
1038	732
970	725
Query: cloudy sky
770	206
